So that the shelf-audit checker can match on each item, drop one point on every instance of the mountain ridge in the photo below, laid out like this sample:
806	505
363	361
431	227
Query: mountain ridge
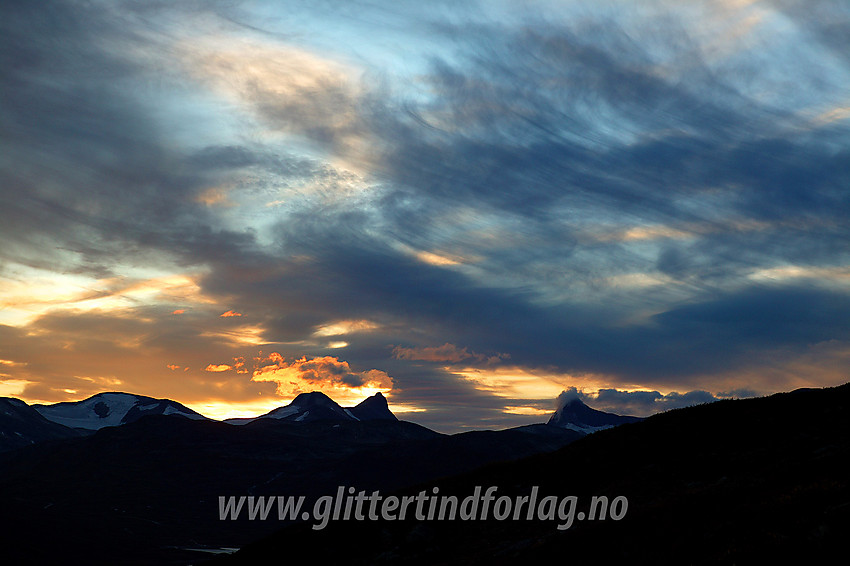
718	483
315	406
150	488
21	425
111	408
108	409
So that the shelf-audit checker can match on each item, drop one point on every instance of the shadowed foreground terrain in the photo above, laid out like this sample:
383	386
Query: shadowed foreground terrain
147	492
754	481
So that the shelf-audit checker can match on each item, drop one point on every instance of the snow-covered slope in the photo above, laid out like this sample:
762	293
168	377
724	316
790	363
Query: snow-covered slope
111	409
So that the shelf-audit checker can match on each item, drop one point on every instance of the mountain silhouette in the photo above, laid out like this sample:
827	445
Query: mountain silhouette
21	425
374	408
575	415
146	492
752	481
316	406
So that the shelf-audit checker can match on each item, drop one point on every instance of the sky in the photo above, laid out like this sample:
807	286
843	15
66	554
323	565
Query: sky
471	207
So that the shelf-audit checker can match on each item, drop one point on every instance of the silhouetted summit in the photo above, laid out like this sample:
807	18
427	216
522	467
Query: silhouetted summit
575	415
316	406
750	481
374	408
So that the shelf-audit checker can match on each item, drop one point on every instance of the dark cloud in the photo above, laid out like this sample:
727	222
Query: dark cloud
644	403
721	333
445	353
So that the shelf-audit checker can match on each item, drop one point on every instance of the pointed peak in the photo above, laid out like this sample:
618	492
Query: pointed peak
377	400
373	408
575	414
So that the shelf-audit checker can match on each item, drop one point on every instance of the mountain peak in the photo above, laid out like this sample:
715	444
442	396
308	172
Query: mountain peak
312	406
313	398
22	425
316	406
576	415
374	408
111	408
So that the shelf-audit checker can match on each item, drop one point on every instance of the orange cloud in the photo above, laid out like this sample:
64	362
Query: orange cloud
178	311
445	353
229	314
526	410
214	196
218	368
239	365
173	367
328	374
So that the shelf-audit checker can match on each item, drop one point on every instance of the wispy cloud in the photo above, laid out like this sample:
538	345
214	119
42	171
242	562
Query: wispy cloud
445	353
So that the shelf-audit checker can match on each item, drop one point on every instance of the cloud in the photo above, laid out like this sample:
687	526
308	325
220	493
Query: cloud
644	403
648	402
341	327
214	196
229	314
633	195
290	88
445	353
138	350
326	373
567	395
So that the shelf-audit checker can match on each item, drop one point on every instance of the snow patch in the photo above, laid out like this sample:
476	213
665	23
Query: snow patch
238	421
83	415
350	414
283	412
584	429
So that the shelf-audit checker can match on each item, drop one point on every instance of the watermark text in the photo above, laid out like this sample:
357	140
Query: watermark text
482	504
